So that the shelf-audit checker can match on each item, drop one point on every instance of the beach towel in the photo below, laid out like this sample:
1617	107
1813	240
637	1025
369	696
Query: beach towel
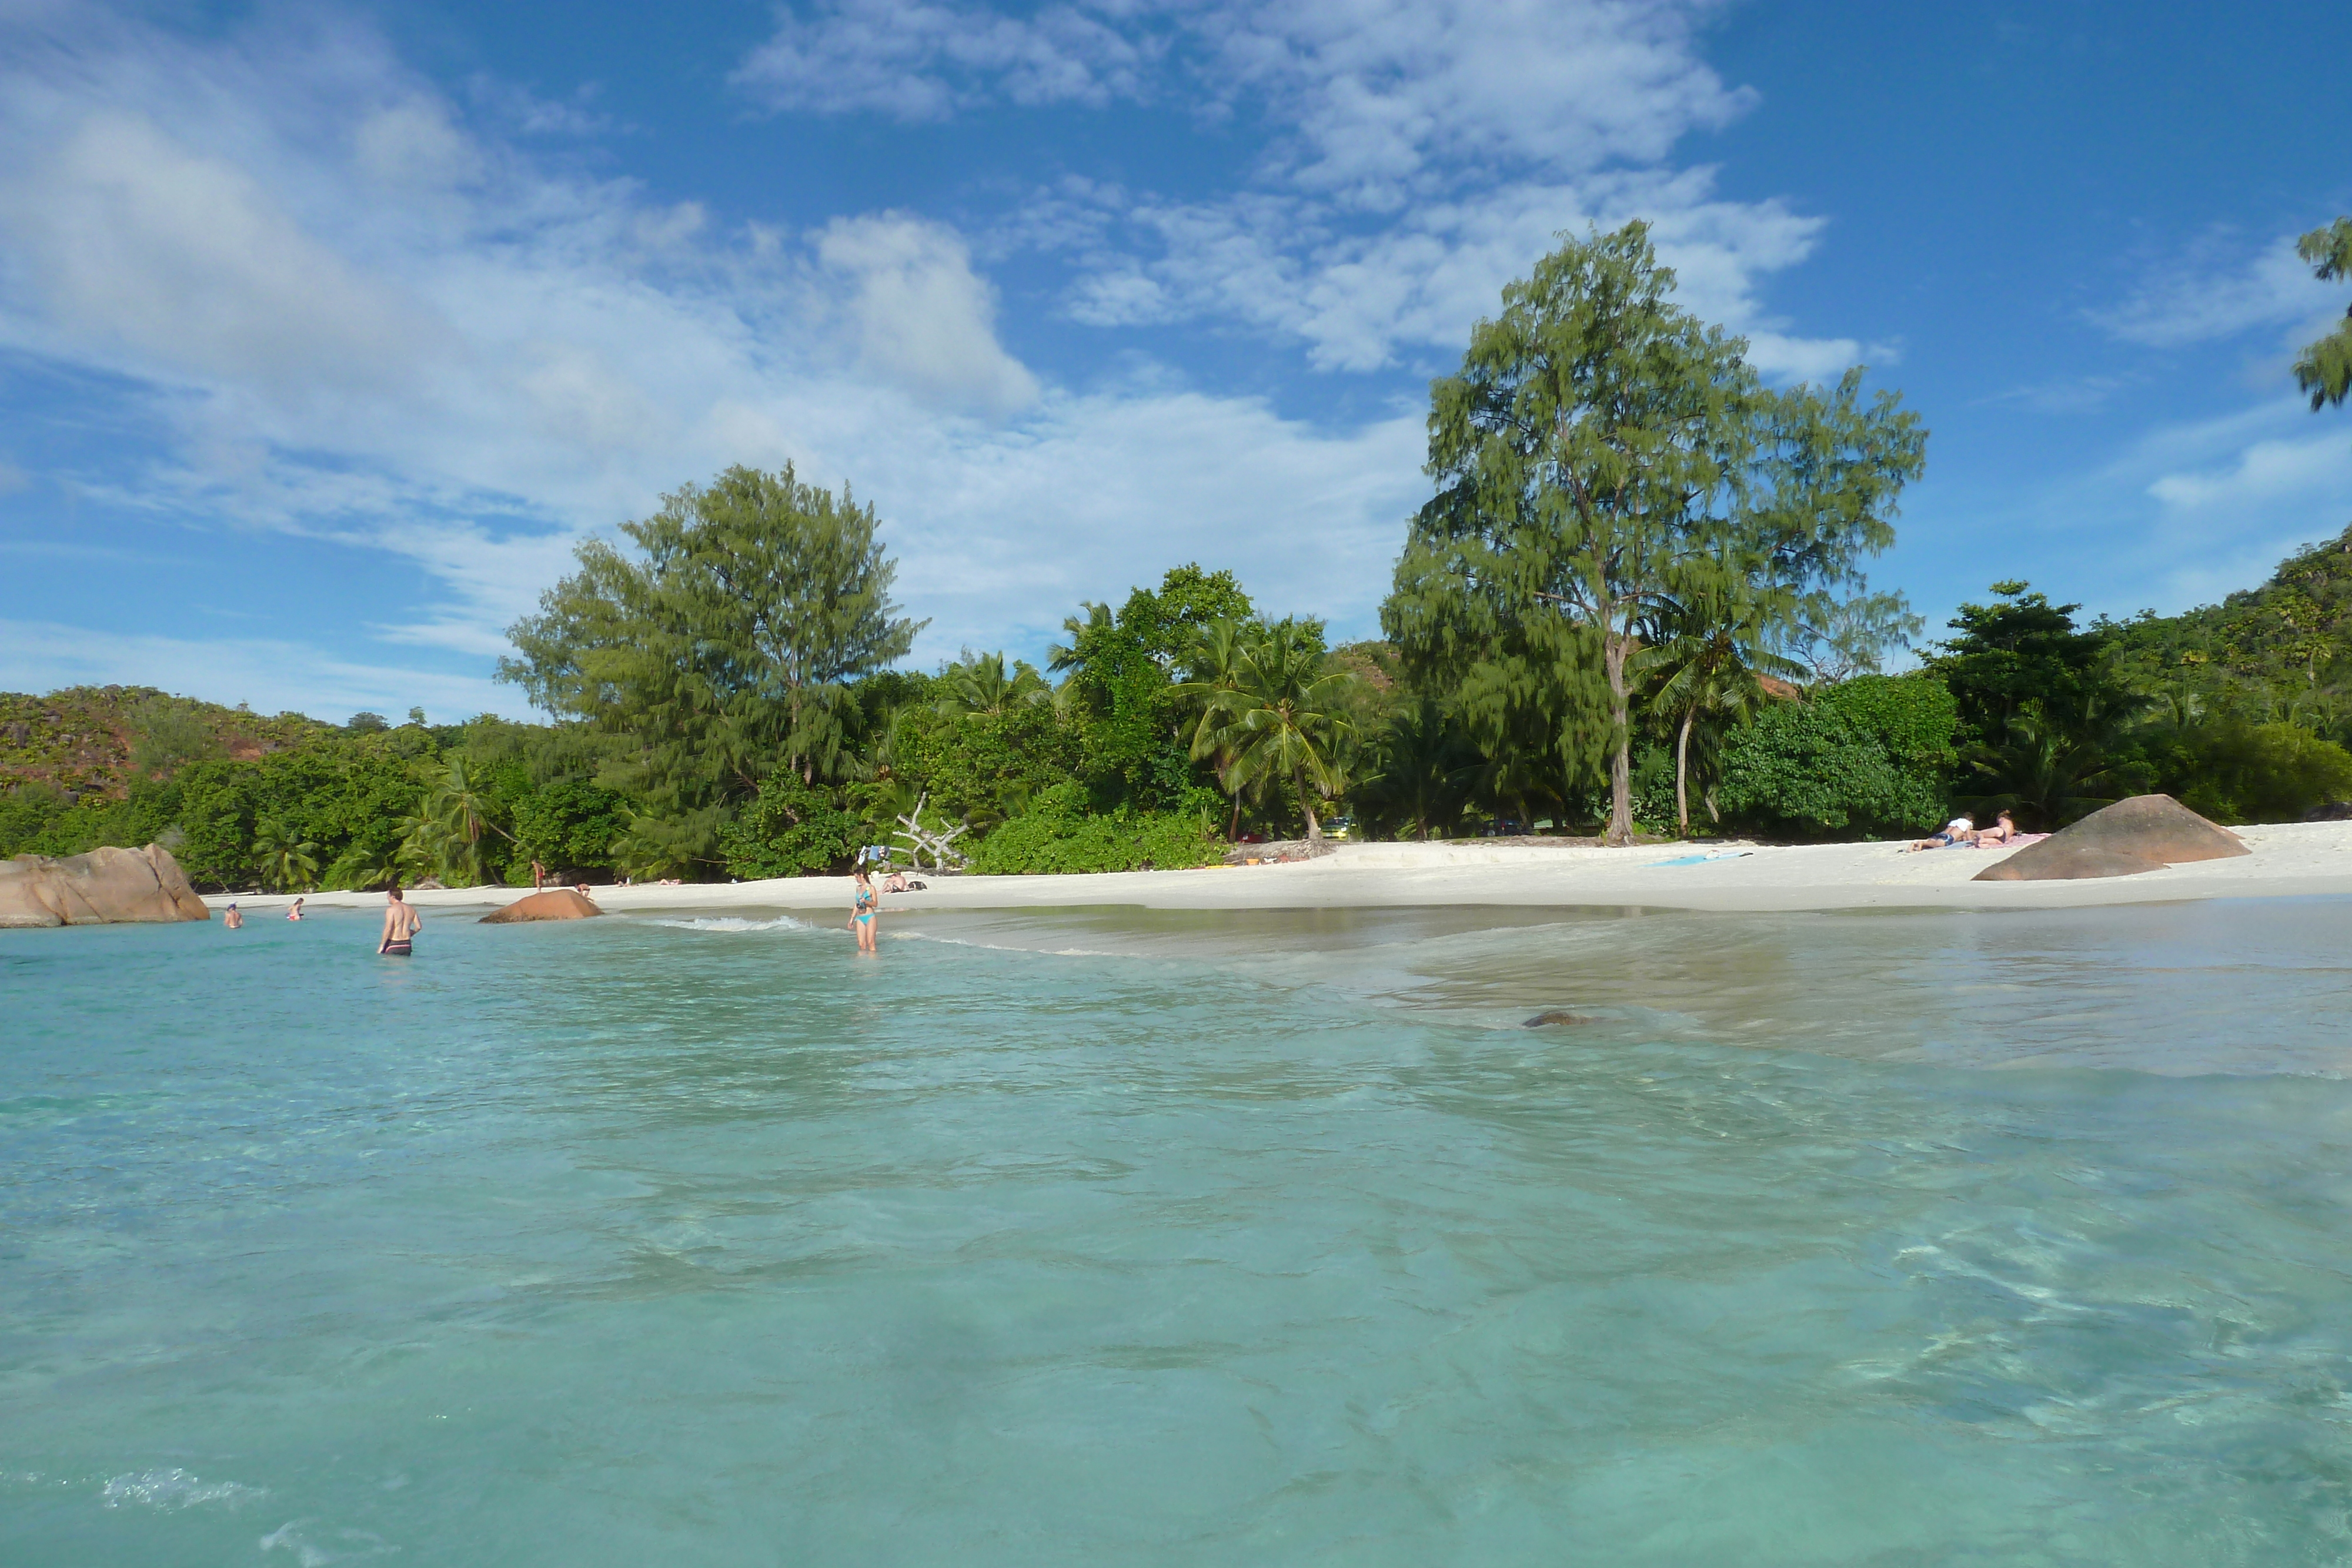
1701	860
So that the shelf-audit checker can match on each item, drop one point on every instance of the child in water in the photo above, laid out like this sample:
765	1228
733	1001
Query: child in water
862	911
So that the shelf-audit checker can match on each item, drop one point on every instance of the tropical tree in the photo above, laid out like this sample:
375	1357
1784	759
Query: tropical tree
288	861
2325	368
976	683
723	647
2050	770
466	814
1602	454
1282	723
1710	672
1421	768
1212	670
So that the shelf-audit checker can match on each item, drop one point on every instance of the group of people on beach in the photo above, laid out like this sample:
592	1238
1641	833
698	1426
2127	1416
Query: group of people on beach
1963	829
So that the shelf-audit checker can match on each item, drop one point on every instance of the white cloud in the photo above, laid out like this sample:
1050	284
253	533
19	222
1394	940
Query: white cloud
1384	91
1372	92
921	60
1363	300
1423	152
2315	465
923	318
2215	291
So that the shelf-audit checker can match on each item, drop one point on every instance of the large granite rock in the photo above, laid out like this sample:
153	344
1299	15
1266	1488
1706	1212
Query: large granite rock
555	904
2145	832
101	888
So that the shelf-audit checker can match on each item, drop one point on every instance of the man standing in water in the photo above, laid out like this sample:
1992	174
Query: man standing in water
400	924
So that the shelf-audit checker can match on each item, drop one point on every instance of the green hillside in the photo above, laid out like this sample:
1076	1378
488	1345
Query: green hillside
87	740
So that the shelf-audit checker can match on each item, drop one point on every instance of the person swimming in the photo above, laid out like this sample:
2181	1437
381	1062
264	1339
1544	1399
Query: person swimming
400	924
863	910
234	921
296	912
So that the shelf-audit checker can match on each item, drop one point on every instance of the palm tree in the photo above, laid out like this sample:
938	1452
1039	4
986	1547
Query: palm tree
1715	673
2051	771
1282	722
466	813
1213	673
1422	767
287	864
978	685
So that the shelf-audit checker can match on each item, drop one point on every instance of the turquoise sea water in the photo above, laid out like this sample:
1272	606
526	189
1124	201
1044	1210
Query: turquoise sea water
1115	1238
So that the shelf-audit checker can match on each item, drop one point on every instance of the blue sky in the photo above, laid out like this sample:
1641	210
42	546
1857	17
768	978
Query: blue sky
326	331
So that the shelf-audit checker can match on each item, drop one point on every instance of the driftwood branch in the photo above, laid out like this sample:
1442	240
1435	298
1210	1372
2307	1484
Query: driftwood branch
922	841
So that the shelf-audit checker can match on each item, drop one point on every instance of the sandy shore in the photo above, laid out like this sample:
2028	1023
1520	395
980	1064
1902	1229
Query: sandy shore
2293	859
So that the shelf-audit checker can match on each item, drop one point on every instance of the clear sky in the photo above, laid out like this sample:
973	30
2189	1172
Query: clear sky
326	330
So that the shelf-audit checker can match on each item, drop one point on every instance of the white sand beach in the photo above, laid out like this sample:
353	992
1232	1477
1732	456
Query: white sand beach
2287	860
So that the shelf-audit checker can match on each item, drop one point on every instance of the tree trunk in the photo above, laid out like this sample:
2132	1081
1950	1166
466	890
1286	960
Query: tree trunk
1314	828
1613	651
1236	825
1682	773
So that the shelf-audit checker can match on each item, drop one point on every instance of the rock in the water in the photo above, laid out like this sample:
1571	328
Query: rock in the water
2146	832
1546	1020
555	904
103	887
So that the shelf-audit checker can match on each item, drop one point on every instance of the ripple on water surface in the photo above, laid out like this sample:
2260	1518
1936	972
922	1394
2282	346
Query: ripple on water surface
1919	1238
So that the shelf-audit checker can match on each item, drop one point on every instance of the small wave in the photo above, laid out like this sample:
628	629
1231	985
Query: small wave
732	923
173	1489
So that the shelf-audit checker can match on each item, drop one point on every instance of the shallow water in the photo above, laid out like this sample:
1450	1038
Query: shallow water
1129	1238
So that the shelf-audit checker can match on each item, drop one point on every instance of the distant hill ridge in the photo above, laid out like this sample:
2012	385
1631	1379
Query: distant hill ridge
87	740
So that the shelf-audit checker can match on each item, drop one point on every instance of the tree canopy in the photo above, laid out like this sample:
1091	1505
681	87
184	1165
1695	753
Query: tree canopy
723	649
1605	460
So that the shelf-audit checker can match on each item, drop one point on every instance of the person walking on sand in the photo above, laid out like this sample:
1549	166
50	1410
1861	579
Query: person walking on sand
295	913
234	921
862	911
400	924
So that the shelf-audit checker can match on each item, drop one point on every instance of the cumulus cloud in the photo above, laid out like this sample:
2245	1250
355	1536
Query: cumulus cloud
921	317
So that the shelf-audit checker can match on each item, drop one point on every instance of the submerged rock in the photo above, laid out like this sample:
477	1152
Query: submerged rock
555	904
1546	1020
2145	832
105	887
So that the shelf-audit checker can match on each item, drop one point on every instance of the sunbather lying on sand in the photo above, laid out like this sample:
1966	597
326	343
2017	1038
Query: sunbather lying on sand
2003	828
1959	830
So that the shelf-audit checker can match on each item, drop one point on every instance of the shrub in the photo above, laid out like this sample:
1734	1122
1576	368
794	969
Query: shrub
2258	773
792	829
1869	756
1057	835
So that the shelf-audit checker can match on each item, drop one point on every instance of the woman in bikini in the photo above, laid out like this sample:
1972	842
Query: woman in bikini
862	911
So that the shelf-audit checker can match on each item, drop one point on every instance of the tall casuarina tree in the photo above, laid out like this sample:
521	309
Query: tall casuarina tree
1604	460
720	649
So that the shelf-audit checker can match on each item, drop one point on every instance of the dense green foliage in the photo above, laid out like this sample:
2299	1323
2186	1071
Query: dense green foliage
1869	757
1059	834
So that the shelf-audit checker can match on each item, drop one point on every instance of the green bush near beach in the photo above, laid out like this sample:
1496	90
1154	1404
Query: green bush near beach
1057	834
1868	757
